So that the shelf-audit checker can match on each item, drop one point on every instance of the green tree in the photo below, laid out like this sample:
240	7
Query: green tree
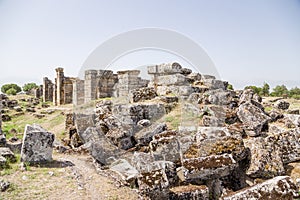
279	91
265	90
11	91
6	87
294	93
229	87
256	89
28	86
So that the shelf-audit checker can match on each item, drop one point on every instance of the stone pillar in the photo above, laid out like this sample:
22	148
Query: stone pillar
90	85
47	90
67	90
54	95
59	85
78	92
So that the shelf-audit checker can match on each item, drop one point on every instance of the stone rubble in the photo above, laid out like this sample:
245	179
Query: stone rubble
225	143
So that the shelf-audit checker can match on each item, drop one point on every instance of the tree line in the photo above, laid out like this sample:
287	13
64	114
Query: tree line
13	89
277	91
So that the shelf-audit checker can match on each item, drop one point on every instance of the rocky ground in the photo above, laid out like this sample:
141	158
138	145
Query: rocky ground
190	138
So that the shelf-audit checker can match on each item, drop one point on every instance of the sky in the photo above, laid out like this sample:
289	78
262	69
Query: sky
249	41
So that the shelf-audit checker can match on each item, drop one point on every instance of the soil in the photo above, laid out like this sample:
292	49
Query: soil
71	177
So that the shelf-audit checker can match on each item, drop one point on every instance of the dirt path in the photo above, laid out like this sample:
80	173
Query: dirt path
91	184
69	177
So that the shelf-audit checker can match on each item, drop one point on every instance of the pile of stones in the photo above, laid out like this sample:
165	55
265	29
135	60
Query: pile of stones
227	146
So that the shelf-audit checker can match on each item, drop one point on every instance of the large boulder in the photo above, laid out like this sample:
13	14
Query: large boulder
254	119
215	141
157	178
282	105
288	142
165	146
99	146
266	157
280	187
196	170
219	96
144	137
37	144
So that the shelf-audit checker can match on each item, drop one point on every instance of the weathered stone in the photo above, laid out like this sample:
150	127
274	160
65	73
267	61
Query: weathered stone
216	141
283	105
127	172
294	119
155	181
166	68
195	192
6	118
214	116
219	96
246	96
15	146
253	117
275	115
144	137
140	160
203	168
83	121
7	154
37	144
30	109
294	111
165	146
18	109
142	94
4	185
99	146
185	71
215	84
144	123
266	158
280	187
3	162
288	142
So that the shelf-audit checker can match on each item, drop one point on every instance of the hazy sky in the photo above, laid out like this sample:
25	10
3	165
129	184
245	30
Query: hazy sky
250	41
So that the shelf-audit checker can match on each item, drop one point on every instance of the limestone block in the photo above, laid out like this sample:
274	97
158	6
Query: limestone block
37	144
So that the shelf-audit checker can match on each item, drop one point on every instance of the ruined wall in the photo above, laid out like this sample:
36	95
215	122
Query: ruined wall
90	85
47	90
129	80
78	92
99	84
67	90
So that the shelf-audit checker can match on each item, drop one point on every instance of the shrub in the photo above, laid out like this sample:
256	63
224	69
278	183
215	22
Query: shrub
7	87
28	86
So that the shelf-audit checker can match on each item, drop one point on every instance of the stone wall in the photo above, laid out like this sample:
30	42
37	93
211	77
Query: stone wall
127	81
47	90
78	92
60	92
98	84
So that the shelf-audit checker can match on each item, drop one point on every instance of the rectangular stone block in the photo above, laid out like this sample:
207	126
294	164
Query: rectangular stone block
37	144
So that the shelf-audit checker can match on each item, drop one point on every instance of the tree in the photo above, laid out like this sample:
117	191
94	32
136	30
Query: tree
11	91
256	89
6	87
279	91
28	86
229	87
265	90
294	93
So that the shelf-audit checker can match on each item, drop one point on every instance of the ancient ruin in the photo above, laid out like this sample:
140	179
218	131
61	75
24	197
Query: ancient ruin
180	135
